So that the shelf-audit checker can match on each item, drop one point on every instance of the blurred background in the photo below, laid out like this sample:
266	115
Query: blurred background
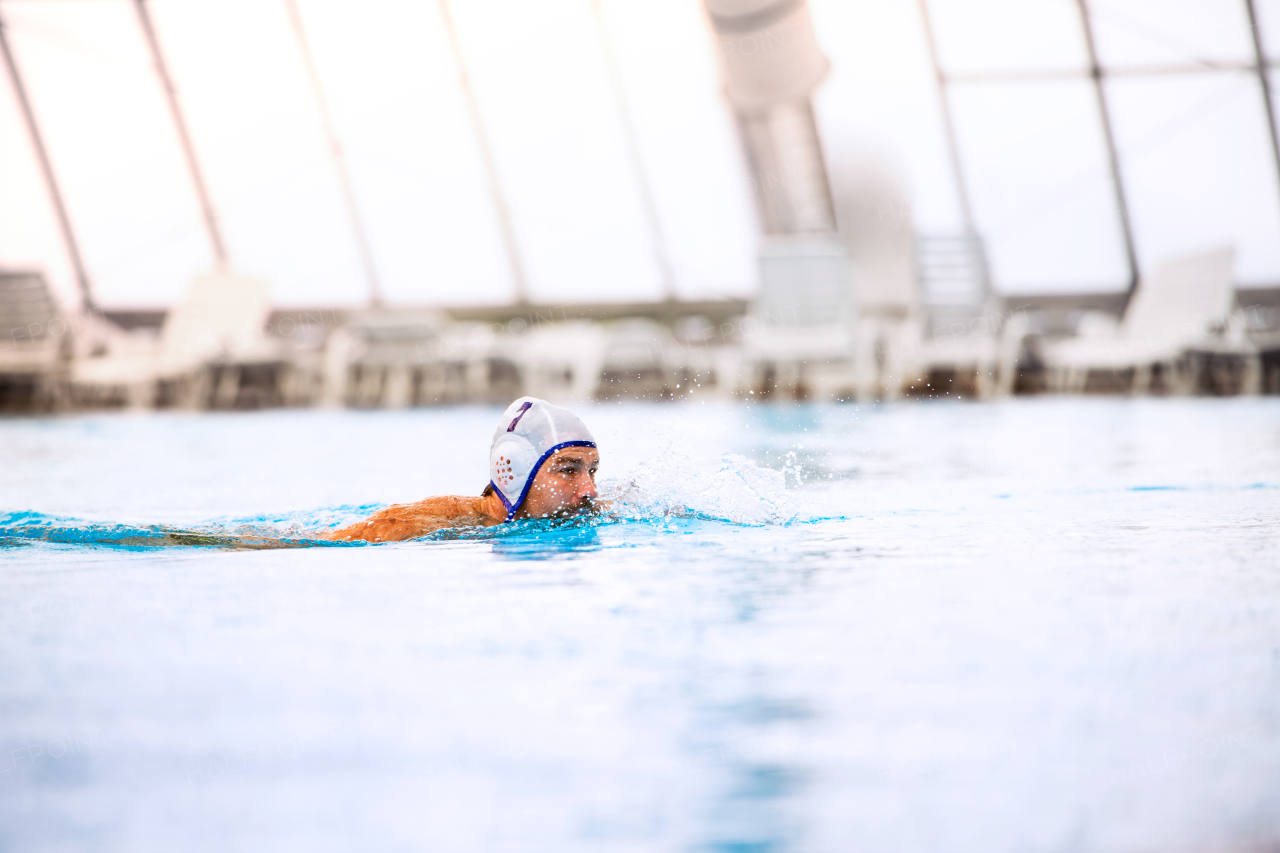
250	204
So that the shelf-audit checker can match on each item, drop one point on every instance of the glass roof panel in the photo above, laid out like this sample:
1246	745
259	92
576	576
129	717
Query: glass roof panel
983	36
1199	169
1042	196
1139	33
878	109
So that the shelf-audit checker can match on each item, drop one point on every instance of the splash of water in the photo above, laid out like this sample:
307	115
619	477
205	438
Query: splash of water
734	490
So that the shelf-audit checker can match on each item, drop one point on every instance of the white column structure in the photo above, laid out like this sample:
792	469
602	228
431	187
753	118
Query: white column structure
772	65
801	341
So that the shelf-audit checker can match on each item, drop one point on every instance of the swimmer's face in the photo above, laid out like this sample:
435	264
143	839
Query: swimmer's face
565	485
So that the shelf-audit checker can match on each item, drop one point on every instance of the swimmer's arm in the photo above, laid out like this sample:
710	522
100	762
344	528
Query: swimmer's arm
408	521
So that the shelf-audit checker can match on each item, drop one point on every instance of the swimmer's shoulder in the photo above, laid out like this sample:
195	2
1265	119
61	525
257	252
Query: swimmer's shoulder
407	521
447	506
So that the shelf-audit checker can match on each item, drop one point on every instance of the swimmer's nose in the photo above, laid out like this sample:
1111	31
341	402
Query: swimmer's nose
590	491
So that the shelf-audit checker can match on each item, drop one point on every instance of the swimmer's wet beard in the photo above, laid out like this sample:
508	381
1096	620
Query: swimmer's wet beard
588	507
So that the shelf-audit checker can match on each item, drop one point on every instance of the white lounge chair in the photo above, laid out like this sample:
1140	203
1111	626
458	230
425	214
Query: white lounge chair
563	362
221	318
1178	305
701	361
798	339
967	332
35	342
385	358
639	357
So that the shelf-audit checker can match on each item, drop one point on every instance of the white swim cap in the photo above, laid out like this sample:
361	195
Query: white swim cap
529	432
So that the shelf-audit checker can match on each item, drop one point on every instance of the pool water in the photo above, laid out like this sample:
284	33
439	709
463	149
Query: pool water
1040	624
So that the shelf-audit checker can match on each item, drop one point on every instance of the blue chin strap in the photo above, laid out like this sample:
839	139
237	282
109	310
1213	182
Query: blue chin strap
513	508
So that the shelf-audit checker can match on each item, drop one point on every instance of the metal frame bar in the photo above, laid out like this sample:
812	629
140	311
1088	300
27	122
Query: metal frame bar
339	158
1073	74
518	280
184	137
661	254
953	149
1262	67
1113	156
46	169
948	123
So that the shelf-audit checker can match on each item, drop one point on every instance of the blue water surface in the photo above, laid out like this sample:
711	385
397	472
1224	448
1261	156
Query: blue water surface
1041	624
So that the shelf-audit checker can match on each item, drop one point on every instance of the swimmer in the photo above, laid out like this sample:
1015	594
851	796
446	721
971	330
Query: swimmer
542	464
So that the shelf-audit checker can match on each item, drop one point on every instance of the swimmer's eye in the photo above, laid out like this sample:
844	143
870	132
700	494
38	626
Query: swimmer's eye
572	469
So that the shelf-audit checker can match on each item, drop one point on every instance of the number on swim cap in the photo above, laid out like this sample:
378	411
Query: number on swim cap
524	407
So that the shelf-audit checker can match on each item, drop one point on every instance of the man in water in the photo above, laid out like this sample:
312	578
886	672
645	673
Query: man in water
542	464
